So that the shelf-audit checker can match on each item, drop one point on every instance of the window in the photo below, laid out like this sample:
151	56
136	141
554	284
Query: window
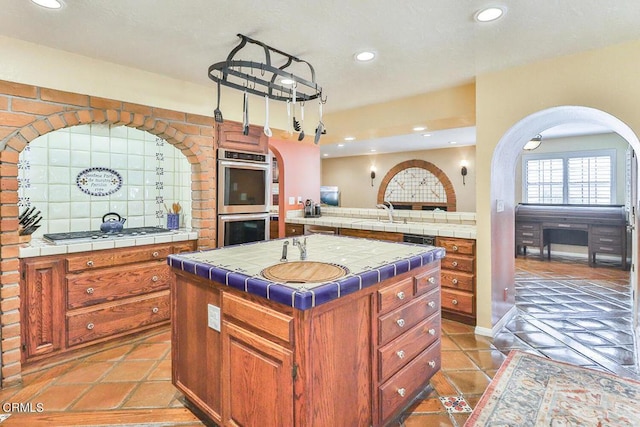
585	178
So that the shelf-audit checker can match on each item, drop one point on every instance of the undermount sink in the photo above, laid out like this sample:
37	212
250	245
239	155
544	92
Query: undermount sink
304	272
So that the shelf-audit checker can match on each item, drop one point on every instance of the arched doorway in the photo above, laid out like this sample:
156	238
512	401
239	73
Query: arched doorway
503	167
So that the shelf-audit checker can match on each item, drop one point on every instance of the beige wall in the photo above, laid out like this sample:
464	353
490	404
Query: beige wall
604	79
352	174
605	141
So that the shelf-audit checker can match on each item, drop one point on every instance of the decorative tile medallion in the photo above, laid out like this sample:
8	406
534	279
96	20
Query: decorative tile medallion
99	181
455	405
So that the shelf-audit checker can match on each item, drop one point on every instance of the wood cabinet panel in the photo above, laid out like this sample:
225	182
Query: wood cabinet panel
118	317
116	257
230	136
112	284
369	234
258	316
395	295
458	280
254	363
458	246
427	281
461	301
42	303
291	230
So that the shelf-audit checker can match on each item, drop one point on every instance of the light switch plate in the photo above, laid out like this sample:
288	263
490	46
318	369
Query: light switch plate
213	317
292	200
500	205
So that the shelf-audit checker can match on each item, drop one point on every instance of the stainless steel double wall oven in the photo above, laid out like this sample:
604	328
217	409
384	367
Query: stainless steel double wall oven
243	196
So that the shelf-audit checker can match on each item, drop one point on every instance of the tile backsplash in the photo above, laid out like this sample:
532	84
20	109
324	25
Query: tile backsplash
154	174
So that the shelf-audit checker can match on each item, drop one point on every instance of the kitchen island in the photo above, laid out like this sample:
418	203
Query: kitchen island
305	351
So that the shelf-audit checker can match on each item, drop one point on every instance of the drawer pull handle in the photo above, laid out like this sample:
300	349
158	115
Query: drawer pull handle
432	304
402	392
155	254
602	239
400	295
400	354
432	280
454	281
454	302
90	326
454	264
90	291
154	278
432	363
432	331
455	248
400	322
89	263
155	310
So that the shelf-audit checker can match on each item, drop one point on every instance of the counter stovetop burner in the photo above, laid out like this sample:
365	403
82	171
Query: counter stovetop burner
88	236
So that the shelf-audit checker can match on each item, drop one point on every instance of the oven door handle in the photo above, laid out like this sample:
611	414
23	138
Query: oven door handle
244	216
262	166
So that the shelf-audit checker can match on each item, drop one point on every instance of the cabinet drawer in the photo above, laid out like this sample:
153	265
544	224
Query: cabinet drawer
402	319
394	296
607	240
402	387
427	281
458	280
527	226
564	225
529	235
112	284
293	230
458	246
607	231
608	249
398	352
99	259
458	301
260	317
110	319
459	263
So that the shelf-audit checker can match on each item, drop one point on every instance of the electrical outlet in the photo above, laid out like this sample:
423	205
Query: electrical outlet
299	199
213	317
292	200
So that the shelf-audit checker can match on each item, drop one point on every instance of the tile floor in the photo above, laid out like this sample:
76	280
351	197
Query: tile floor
566	311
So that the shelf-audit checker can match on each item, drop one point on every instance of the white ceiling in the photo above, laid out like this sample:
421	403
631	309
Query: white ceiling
421	45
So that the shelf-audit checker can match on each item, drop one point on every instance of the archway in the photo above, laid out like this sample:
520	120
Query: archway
503	167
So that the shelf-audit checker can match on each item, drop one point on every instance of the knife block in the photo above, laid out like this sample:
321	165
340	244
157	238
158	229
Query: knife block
25	238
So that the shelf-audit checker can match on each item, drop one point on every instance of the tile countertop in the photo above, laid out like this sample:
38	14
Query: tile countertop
368	262
444	229
40	247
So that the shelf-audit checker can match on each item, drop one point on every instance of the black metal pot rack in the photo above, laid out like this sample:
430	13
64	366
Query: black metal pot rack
261	77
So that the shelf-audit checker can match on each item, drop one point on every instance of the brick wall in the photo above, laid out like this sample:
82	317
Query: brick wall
26	112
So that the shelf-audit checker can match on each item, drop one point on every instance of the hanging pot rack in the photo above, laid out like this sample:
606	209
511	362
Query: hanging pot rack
260	78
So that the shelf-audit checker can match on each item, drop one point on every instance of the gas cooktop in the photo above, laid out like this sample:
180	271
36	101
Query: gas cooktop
88	236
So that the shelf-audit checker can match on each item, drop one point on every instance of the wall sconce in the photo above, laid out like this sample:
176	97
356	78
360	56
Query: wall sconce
463	171
373	174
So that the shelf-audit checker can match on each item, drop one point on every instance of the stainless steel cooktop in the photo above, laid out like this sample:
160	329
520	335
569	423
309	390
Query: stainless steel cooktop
89	236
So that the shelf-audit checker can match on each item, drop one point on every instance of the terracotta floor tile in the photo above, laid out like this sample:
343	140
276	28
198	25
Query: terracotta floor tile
152	395
162	337
469	382
487	359
153	351
104	396
429	405
85	373
60	397
447	343
162	371
456	360
130	370
451	327
429	420
442	385
472	341
111	355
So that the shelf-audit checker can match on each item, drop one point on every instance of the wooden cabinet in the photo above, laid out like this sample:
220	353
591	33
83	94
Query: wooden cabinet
245	360
291	230
70	301
230	136
369	234
458	279
274	229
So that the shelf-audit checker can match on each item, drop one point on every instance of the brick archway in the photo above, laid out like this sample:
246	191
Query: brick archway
416	163
27	112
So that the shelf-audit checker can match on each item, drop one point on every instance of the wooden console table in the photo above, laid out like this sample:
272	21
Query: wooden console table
603	229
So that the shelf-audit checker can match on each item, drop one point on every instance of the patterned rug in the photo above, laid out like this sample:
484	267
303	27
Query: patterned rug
529	390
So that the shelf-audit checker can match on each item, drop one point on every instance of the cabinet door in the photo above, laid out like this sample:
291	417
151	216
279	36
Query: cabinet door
258	380
42	306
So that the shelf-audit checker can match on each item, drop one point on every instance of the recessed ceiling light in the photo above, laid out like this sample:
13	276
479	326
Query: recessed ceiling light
419	128
286	81
373	150
49	4
489	14
340	145
365	56
349	138
325	155
452	142
426	134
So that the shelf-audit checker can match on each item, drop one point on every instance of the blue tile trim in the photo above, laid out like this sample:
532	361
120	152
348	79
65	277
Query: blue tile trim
302	298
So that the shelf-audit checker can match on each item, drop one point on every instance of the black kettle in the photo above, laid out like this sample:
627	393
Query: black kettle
112	223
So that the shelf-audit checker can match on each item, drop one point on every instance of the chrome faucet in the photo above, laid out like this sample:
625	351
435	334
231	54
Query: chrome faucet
284	251
389	209
302	245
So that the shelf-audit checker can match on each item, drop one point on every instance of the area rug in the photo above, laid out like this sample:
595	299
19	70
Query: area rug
530	390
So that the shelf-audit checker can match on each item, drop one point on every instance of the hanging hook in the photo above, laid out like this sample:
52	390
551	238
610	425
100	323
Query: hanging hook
262	70
323	100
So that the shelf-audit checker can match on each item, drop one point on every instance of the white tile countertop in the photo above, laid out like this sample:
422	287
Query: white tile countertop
424	223
40	247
